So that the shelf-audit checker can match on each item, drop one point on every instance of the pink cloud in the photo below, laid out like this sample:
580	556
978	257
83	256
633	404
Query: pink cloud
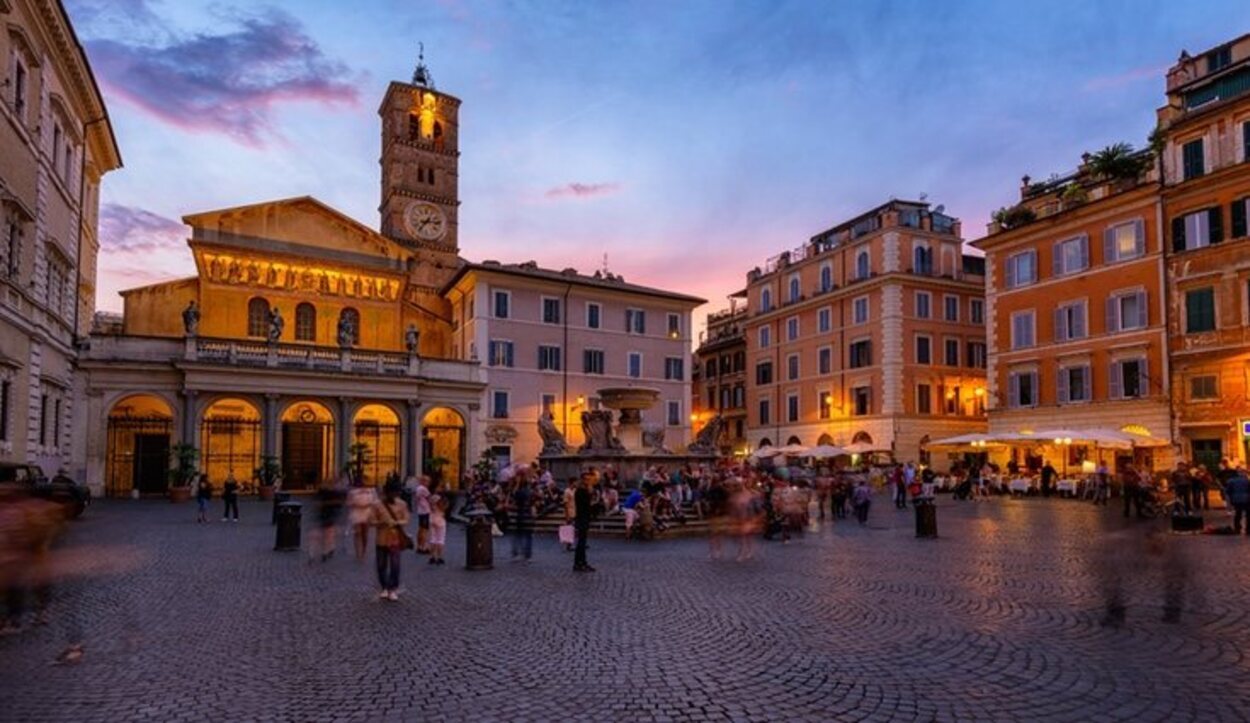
135	230
226	83
583	190
1119	80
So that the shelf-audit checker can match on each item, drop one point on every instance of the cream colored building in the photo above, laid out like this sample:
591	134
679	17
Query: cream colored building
552	339
55	145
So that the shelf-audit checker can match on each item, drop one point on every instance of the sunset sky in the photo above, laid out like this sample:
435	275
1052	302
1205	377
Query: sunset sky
687	141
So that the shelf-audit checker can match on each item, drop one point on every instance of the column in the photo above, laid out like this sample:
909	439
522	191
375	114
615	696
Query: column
189	417
412	450
343	433
269	426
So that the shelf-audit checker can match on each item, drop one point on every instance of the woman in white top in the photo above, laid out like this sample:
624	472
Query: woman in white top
360	502
438	524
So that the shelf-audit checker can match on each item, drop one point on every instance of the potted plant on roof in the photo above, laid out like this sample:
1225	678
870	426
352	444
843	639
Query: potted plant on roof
1011	217
268	474
184	471
1118	163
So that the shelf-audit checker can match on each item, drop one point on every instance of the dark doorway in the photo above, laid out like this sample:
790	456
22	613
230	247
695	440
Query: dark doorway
305	452
151	463
1208	453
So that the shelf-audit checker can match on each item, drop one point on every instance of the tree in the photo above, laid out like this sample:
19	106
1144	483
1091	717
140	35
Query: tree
1118	162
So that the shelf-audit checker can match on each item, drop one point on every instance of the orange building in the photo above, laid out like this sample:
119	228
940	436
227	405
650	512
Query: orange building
1205	131
871	332
1074	284
720	377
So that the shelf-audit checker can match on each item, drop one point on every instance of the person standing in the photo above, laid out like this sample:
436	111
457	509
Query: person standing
360	502
1201	481
203	496
1131	489
861	500
389	517
581	523
522	519
421	508
438	524
1180	482
1102	489
570	510
1048	478
230	496
1237	491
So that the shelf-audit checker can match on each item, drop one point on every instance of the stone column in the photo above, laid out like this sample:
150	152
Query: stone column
189	417
412	448
343	434
269	426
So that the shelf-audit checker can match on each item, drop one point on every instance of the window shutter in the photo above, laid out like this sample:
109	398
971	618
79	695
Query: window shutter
1061	324
1143	386
1114	381
1063	385
1013	390
1057	259
1215	219
1108	245
508	349
1035	388
1139	234
1239	217
1113	324
1078	323
1143	312
1178	234
1084	252
1010	281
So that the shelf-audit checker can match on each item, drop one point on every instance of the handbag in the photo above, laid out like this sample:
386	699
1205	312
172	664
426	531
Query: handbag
566	535
405	540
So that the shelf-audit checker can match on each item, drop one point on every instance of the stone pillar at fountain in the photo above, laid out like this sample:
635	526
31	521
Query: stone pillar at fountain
629	402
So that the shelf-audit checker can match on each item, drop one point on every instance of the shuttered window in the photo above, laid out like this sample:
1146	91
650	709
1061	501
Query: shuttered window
1199	310
1124	241
1193	163
1238	211
1073	384
1071	256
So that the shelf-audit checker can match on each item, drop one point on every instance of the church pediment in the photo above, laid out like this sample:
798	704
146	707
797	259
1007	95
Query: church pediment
302	226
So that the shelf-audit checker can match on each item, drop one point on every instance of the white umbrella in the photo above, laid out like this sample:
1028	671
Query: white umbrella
966	440
825	451
864	448
765	452
792	450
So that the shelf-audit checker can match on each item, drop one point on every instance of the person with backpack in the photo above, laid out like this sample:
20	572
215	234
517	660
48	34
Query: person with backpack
230	496
390	517
1237	492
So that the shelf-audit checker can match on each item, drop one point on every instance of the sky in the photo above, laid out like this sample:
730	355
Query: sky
685	141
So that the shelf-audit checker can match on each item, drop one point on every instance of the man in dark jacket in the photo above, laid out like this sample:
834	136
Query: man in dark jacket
1237	489
581	522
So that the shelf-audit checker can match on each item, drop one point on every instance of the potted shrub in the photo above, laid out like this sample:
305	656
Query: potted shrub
434	467
1118	163
184	471
268	474
1073	194
1014	216
358	455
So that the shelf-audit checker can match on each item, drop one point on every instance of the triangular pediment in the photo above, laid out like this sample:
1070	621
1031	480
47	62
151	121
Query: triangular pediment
300	226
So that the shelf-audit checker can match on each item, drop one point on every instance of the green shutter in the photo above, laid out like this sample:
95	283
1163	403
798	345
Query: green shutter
1239	215
1178	234
1215	218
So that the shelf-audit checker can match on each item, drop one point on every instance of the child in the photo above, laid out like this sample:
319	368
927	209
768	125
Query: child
438	524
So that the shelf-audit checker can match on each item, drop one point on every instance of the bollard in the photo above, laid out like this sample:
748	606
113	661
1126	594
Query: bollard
480	544
926	519
288	537
278	498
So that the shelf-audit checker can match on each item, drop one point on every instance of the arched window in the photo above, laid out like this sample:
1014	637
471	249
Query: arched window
305	322
352	316
257	317
794	440
766	300
794	289
861	265
922	260
826	277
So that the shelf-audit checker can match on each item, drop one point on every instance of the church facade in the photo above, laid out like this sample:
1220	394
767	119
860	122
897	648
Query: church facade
308	339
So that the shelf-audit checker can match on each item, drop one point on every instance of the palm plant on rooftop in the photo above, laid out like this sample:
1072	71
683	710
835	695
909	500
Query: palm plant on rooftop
1118	162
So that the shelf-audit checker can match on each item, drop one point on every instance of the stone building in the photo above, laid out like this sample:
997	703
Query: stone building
1205	133
719	377
56	142
552	339
1076	314
873	332
302	334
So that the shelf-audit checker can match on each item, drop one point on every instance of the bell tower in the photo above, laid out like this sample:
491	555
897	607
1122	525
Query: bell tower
420	163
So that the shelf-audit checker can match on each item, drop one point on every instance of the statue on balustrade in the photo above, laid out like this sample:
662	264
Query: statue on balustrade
553	440
705	441
276	325
412	339
597	429
191	319
346	333
653	439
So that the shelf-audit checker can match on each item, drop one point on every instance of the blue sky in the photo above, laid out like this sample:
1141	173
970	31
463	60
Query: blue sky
702	137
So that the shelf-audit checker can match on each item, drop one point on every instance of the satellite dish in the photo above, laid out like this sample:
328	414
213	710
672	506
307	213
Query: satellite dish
924	197
941	208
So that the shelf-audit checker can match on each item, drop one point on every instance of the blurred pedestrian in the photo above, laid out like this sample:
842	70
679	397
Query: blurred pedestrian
522	506
581	522
360	502
438	524
203	496
329	506
230	497
390	516
421	507
1237	492
1131	489
861	500
28	527
1180	482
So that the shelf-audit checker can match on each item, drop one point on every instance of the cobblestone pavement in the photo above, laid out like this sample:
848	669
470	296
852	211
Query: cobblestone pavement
998	620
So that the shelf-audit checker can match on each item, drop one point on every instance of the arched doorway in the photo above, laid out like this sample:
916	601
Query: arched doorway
794	440
825	441
137	458
765	442
376	426
861	438
307	446
230	441
442	445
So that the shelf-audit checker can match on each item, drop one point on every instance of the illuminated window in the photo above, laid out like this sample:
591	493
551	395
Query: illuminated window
305	322
257	317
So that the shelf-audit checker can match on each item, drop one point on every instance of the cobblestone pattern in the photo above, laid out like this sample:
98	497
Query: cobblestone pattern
998	620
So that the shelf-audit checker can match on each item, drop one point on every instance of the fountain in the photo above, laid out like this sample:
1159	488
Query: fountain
628	445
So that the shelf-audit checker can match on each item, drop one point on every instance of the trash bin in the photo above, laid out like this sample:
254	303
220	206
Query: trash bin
480	544
288	537
278	498
926	519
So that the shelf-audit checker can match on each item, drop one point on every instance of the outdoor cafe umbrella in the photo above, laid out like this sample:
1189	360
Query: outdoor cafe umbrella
975	441
792	450
864	448
826	451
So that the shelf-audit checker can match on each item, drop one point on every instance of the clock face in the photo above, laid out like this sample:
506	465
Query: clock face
425	221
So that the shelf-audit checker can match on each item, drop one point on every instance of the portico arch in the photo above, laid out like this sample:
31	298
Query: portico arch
307	445
140	427
443	438
377	428
230	440
825	440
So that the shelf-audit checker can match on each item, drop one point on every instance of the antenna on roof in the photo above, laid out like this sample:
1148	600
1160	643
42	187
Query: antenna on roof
924	196
606	272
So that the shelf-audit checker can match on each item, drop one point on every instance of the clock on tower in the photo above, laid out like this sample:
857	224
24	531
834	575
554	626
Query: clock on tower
420	163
